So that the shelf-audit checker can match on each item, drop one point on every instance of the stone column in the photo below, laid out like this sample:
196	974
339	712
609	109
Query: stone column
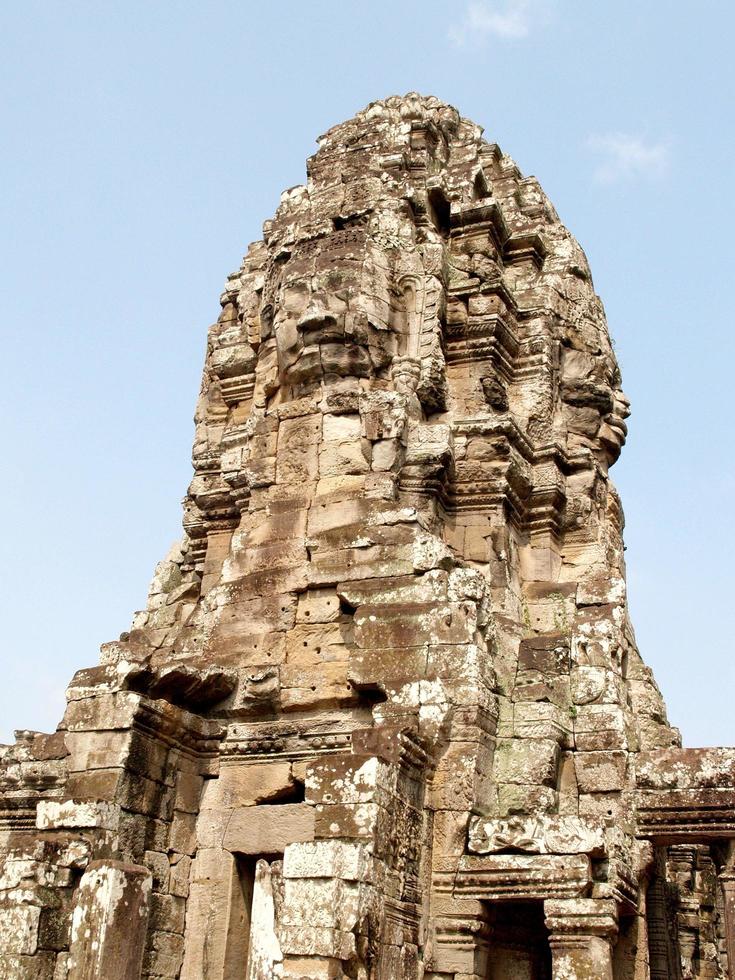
581	935
108	929
727	881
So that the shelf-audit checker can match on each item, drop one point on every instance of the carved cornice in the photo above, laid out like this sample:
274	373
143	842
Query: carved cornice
520	877
685	795
258	741
685	816
235	390
525	247
483	337
180	729
18	813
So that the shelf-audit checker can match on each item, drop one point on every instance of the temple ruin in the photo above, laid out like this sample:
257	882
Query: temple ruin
383	716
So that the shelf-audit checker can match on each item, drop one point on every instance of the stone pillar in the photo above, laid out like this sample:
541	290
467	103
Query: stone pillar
727	881
110	920
217	927
581	935
461	937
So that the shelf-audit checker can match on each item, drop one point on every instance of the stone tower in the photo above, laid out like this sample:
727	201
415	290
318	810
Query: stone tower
383	717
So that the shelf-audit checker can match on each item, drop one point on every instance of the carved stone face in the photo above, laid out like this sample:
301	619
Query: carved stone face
595	406
613	431
328	304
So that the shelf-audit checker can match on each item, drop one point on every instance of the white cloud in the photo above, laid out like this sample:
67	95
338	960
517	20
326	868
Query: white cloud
626	157
489	18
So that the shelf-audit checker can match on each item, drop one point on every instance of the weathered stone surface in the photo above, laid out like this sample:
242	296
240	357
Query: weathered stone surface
535	835
108	928
383	716
268	829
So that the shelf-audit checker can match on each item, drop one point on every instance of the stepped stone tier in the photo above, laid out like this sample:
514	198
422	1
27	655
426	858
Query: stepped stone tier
384	715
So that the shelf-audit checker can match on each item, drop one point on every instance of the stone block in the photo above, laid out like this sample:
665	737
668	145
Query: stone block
527	761
324	903
676	768
462	780
53	815
600	772
522	876
98	750
296	434
548	654
346	860
273	556
54	928
164	956
514	798
596	685
450	832
213	877
264	829
318	606
103	712
336	459
188	791
380	591
167	913
341	428
599	727
96	784
412	624
537	834
609	809
145	796
387	669
311	644
346	820
349	779
310	687
19	929
182	837
158	864
311	968
289	526
246	784
247	649
179	874
314	941
272	579
541	720
263	614
344	564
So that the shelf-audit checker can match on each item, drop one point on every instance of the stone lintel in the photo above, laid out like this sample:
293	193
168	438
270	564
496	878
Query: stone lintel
523	877
685	816
686	796
264	829
541	834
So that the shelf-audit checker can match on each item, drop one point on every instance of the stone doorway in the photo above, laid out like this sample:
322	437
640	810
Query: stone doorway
519	942
252	948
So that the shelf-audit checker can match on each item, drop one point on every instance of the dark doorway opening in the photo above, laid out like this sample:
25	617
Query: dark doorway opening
519	942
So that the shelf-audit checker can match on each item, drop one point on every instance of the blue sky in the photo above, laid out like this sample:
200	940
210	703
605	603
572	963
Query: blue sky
143	146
